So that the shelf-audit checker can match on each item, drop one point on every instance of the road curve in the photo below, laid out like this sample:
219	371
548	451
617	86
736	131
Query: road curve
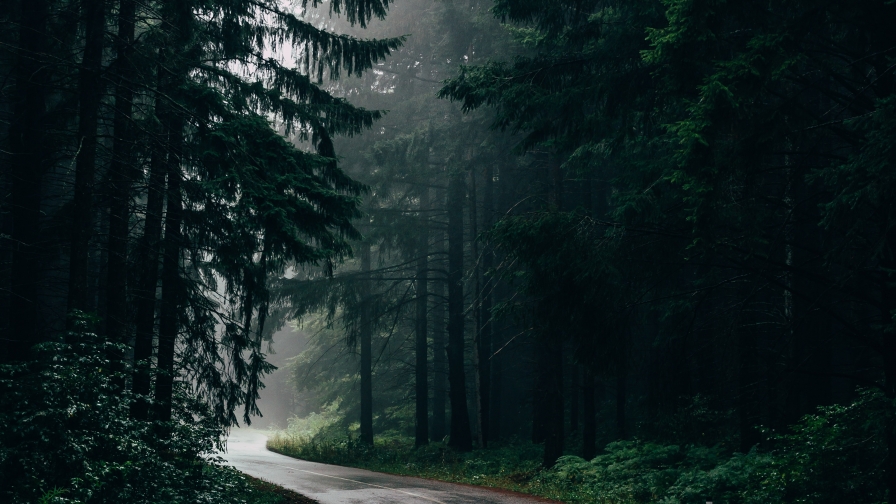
330	484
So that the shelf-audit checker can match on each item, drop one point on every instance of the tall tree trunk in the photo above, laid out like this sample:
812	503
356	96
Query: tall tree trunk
574	391
551	389
440	367
421	346
596	207
366	355
120	180
622	384
461	438
486	329
480	340
888	346
589	425
172	286
496	387
551	399
150	247
26	141
89	93
748	407
495	290
538	407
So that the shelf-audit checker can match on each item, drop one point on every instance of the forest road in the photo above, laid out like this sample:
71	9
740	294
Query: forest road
330	484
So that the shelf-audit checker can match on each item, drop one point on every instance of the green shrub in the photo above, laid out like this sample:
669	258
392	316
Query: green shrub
833	457
66	435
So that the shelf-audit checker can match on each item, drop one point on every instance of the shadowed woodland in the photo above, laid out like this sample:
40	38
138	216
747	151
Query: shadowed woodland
599	251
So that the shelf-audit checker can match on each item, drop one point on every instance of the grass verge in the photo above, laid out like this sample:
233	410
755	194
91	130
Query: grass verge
832	457
509	467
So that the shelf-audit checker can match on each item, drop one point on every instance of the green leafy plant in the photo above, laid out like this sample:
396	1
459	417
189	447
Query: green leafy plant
66	435
834	456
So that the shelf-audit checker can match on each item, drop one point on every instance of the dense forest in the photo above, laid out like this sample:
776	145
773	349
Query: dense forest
648	246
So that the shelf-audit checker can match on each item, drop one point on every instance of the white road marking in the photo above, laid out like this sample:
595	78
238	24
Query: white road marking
361	483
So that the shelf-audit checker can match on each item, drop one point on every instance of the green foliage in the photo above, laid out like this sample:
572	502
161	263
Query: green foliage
315	424
510	466
66	435
835	456
237	77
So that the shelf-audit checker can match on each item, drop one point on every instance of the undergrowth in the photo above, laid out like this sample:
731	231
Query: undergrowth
833	457
67	436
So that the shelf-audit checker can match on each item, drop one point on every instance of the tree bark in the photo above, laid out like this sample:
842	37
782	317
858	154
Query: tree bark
888	346
365	330
486	331
496	290
574	391
460	437
551	356
748	407
172	286
551	392
150	246
589	424
622	385
121	174
481	341
26	141
421	342
439	368
496	405
89	93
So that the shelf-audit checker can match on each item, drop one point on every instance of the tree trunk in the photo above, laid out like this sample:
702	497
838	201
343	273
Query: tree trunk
481	341
550	368
622	385
120	176
486	331
421	346
551	392
888	346
366	356
120	180
26	141
499	329
589	425
574	391
150	245
172	288
538	407
748	407
439	368
460	437
496	392
89	91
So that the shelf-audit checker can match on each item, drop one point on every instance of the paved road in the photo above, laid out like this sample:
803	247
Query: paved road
331	484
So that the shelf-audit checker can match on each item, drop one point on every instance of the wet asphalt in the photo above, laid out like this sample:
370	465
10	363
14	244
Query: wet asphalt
330	484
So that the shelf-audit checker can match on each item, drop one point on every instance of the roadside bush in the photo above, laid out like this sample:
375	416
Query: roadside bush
835	456
66	435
